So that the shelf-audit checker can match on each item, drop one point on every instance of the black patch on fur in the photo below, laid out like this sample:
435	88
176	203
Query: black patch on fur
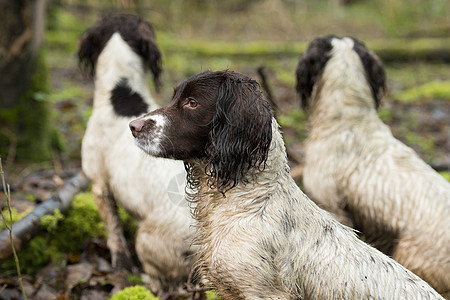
311	66
374	70
328	230
126	102
136	32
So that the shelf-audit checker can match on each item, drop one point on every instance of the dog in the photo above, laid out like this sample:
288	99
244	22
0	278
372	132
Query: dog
259	235
357	170
121	51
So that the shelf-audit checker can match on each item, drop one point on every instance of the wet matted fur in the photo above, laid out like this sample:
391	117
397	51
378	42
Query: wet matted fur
259	236
121	51
357	170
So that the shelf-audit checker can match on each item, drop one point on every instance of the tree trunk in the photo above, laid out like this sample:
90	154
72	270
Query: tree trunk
23	81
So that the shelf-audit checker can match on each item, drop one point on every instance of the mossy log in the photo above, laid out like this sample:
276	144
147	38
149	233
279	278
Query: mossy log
389	50
28	227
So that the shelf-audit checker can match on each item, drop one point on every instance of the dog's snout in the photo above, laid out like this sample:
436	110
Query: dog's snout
136	126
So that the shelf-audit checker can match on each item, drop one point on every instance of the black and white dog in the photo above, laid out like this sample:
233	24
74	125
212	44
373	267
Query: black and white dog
357	170
259	236
121	51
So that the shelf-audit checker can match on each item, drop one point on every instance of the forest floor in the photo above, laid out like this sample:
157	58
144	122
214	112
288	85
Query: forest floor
416	108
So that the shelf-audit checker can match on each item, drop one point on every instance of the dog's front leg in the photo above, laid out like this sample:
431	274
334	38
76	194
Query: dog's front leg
107	207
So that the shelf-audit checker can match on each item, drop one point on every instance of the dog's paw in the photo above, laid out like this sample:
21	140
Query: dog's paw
122	261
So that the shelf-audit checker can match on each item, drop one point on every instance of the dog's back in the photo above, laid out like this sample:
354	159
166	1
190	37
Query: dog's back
356	169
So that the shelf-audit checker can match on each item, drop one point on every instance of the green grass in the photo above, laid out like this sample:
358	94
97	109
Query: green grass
446	175
137	292
434	90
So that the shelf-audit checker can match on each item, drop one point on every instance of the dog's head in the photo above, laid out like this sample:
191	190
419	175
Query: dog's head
313	62
138	34
220	117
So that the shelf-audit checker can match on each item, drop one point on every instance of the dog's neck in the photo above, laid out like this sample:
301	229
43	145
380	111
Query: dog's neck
118	62
243	195
342	93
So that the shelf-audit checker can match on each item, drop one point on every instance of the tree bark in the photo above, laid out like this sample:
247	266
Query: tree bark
24	125
21	35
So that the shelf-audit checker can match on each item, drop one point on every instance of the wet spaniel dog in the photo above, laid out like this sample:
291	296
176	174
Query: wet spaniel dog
357	170
259	236
121	51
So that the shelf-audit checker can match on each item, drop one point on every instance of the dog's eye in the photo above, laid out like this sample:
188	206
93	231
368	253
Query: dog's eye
192	103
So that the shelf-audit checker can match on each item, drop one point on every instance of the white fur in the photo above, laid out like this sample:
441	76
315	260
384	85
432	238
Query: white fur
267	240
139	183
353	161
152	146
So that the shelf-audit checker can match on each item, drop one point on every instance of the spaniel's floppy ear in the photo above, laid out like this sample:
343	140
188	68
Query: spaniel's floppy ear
149	50
310	67
90	46
241	132
374	71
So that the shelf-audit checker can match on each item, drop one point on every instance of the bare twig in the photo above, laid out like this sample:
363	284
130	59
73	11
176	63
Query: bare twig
266	87
7	192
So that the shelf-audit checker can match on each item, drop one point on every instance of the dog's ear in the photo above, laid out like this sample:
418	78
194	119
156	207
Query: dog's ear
149	50
90	46
374	71
241	132
310	67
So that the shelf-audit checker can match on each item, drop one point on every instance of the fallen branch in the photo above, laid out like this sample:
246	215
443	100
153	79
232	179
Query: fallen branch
266	87
29	226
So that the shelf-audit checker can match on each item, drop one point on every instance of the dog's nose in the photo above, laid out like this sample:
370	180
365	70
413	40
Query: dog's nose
136	126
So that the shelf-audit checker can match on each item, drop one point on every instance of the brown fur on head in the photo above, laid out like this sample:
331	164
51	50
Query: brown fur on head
218	116
138	34
313	61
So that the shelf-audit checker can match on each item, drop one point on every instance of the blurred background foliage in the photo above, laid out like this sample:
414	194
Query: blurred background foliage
411	37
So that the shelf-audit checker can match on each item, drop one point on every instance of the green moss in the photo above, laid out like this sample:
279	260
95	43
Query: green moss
30	197
29	120
50	222
135	279
34	142
65	234
445	174
220	48
33	257
137	292
62	235
15	216
82	222
428	91
212	295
